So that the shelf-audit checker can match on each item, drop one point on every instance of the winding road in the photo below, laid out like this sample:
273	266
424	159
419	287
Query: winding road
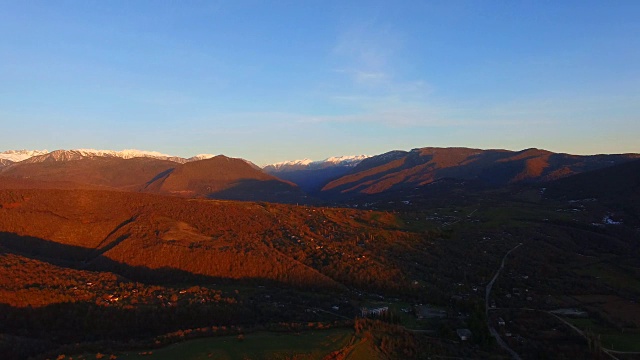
492	330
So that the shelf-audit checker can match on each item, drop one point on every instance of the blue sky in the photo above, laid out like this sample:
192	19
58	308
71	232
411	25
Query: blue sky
281	80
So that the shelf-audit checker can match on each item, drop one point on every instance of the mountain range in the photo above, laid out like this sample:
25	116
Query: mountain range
310	175
217	177
419	167
615	186
102	247
308	164
221	177
78	154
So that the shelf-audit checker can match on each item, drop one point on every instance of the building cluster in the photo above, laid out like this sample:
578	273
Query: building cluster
366	312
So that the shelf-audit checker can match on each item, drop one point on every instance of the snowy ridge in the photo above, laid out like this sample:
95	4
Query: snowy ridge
79	154
76	154
345	160
282	164
19	155
201	157
14	156
125	154
308	164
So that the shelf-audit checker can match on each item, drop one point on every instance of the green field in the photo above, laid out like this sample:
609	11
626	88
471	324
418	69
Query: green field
621	342
517	215
582	323
263	345
612	275
610	338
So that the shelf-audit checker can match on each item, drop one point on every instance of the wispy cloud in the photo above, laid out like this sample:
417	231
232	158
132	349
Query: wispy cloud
368	44
366	77
376	89
362	77
365	51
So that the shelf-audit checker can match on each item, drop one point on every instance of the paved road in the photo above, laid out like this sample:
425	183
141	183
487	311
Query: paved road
580	332
605	350
495	334
492	330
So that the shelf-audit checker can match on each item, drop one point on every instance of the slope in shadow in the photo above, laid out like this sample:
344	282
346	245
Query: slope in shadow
155	183
104	246
74	257
260	190
48	251
27	331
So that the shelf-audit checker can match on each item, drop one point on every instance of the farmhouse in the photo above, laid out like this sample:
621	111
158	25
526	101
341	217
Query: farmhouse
364	312
464	334
428	312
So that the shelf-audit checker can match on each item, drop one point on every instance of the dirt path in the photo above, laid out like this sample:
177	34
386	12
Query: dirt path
492	330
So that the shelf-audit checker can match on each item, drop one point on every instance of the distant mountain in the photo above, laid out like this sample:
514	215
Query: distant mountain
78	154
199	157
19	155
289	165
222	177
307	164
207	176
310	175
402	169
72	168
618	184
5	162
381	159
218	177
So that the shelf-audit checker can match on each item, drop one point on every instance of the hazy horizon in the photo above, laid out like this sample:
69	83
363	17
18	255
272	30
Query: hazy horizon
270	82
156	153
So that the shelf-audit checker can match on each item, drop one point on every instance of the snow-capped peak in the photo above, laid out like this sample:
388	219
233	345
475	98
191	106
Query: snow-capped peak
282	164
344	160
125	154
76	154
201	157
349	160
19	155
